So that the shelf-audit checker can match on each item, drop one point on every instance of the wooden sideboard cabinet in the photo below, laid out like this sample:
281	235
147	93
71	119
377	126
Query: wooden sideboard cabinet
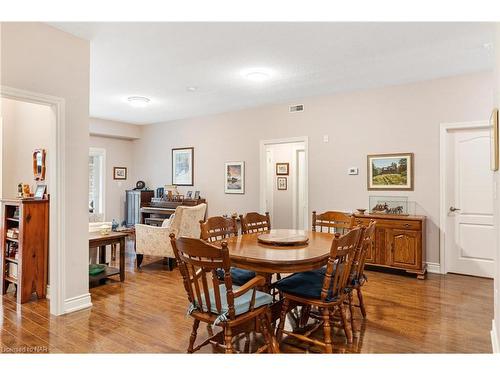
399	242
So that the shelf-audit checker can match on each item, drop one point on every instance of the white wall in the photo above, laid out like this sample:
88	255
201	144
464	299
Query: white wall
114	129
402	118
26	127
119	153
41	59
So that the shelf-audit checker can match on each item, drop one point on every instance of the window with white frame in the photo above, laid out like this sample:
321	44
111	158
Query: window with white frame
96	182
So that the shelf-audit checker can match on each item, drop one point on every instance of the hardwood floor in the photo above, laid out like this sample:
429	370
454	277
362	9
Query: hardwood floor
147	313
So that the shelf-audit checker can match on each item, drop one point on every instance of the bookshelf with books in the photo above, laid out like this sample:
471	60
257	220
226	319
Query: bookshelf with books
24	247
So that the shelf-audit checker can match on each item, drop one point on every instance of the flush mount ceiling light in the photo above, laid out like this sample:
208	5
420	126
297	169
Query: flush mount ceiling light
192	88
257	75
138	101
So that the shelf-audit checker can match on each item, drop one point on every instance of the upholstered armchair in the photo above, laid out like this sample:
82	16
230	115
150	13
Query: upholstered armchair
155	241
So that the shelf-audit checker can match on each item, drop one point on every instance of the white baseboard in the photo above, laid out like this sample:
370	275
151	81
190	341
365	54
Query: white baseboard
495	343
77	303
433	267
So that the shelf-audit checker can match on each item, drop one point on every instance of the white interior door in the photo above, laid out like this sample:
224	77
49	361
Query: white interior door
301	191
269	204
469	236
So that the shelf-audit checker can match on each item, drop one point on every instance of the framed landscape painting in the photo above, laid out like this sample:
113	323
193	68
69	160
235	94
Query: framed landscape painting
390	172
183	166
234	177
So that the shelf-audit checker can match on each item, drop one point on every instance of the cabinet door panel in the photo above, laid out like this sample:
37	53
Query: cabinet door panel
404	248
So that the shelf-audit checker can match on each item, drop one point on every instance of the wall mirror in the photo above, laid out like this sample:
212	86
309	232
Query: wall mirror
39	164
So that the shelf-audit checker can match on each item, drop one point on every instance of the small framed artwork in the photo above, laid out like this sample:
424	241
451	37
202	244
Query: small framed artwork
40	191
234	177
282	183
282	169
197	194
390	171
494	140
189	194
183	166
119	173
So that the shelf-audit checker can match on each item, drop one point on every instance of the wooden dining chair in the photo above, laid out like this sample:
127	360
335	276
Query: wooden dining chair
332	222
215	302
254	222
218	228
324	289
358	278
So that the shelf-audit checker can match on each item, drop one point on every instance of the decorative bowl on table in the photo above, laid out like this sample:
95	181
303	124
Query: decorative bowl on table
105	229
96	269
361	211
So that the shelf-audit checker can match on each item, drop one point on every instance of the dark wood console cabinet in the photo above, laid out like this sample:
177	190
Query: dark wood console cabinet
399	242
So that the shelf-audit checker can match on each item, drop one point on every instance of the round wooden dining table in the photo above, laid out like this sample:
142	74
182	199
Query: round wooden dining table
248	253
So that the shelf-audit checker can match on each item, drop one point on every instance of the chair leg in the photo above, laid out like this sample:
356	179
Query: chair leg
361	302
192	338
351	310
347	329
326	330
304	315
275	348
228	339
265	332
281	325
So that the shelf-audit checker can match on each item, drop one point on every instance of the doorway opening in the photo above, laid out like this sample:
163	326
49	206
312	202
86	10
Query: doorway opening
284	182
467	229
53	110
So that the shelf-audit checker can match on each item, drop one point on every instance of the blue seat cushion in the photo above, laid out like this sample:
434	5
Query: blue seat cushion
241	304
355	281
239	275
305	284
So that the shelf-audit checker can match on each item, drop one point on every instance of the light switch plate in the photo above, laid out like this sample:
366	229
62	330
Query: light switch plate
353	171
325	138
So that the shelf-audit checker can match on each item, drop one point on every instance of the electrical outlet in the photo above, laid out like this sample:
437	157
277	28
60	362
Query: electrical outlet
325	138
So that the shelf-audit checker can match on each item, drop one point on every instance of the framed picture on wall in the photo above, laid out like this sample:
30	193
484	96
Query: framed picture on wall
40	191
282	183
282	169
390	171
234	182
119	173
183	166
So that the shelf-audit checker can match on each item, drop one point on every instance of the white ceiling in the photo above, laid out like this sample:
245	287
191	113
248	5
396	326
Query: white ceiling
160	60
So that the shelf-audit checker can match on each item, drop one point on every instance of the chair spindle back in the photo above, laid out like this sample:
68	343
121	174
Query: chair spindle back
338	268
198	263
254	222
366	242
218	228
332	222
